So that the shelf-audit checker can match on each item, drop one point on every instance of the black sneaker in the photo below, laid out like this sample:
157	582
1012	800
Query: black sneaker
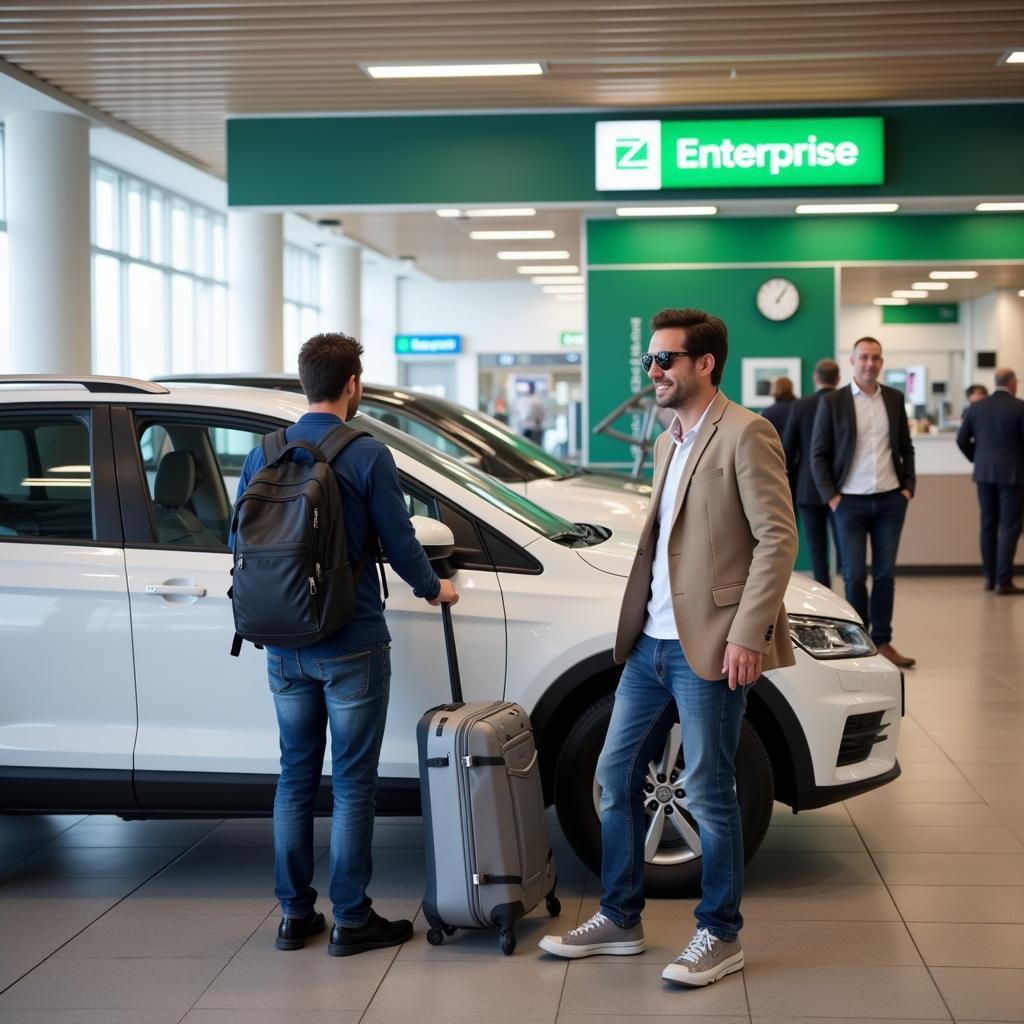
292	932
377	933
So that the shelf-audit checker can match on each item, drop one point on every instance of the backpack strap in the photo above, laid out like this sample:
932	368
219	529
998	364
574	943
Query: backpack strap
337	440
273	444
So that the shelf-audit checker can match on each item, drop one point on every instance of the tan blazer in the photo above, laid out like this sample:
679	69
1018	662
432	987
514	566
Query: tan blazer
732	546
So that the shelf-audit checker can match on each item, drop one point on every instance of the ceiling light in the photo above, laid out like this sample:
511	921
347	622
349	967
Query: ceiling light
508	236
666	211
953	275
563	289
891	302
1012	57
1021	293
558	279
567	269
533	254
452	70
847	208
512	211
449	212
909	293
998	207
930	286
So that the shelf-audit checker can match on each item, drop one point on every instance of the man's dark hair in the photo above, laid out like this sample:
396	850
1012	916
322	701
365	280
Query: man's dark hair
706	335
826	371
873	341
977	389
326	362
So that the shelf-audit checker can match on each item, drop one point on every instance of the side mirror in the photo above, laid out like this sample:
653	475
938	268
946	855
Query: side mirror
437	540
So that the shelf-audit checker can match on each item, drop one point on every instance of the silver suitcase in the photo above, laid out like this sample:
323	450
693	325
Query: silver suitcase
489	859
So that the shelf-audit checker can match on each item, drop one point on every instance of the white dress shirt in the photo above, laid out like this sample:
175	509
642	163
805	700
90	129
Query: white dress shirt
661	622
872	470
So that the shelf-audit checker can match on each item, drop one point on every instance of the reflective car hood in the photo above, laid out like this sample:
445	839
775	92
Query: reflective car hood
593	499
803	595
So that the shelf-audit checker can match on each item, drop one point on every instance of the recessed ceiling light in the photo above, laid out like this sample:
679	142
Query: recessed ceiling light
453	70
891	302
953	275
512	211
567	269
533	254
909	293
1012	56
558	279
508	236
998	207
563	289
1021	293
847	208
930	286
666	211
449	212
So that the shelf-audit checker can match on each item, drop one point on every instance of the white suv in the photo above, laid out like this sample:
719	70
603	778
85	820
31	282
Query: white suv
118	695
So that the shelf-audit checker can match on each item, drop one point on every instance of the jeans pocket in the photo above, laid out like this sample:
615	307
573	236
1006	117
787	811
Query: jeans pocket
275	674
348	677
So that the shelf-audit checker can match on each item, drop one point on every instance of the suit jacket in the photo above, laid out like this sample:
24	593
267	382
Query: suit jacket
731	548
992	437
796	442
778	413
835	438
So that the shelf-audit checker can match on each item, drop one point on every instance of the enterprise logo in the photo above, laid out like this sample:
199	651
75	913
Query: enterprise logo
692	154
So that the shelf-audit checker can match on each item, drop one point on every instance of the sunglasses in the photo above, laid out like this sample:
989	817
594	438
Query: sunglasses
663	359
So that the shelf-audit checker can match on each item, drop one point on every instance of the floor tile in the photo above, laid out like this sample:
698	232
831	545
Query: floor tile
994	904
128	984
940	840
821	903
31	933
896	993
504	989
87	862
978	994
305	979
835	815
900	792
621	990
923	815
829	944
794	839
644	1018
93	1016
970	945
481	1016
134	833
944	771
13	967
951	868
768	870
289	1016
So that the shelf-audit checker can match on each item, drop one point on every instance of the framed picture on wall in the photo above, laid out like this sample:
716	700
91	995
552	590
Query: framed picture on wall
758	374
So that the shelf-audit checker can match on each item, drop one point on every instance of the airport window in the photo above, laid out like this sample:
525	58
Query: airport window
301	301
159	279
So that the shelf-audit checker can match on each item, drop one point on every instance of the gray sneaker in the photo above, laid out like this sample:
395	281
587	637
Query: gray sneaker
705	959
598	935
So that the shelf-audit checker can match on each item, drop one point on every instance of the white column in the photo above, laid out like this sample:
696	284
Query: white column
255	292
47	170
341	282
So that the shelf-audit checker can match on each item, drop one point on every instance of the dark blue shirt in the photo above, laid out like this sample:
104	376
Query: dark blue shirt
370	495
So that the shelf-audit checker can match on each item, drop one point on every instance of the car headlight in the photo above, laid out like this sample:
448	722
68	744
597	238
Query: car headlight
830	638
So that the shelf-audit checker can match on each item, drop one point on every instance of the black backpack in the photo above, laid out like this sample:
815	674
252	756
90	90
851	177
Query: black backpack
292	582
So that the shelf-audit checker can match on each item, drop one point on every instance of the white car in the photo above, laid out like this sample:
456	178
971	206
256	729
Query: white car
117	693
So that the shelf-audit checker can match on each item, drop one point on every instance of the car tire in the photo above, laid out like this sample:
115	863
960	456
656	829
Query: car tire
675	870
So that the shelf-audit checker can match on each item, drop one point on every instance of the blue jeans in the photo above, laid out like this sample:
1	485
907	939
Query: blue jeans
349	695
656	685
880	517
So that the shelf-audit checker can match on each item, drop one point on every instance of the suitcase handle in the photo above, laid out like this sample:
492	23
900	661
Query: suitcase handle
453	657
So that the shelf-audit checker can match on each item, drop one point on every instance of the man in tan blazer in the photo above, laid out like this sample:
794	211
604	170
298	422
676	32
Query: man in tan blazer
701	619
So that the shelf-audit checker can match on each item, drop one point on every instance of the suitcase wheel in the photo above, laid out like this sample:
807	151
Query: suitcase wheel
508	943
554	906
449	929
435	936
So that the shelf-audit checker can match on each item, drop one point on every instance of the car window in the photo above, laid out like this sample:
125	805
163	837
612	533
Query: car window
192	473
415	428
46	476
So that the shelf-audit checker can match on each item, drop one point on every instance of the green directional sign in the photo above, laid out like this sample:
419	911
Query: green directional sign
762	153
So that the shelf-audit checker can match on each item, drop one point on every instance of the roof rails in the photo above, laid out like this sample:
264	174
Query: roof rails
90	383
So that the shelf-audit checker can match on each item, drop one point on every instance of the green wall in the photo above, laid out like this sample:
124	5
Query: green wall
536	158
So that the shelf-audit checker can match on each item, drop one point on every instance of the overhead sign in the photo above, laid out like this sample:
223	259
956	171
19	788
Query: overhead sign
571	339
428	344
769	153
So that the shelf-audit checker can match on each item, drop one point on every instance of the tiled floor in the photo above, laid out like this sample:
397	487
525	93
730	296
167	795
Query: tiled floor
904	904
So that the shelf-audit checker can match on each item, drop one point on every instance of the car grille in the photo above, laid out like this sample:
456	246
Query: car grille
860	734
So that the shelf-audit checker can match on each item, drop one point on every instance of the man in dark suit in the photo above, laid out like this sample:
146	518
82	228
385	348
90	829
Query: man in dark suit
992	437
815	516
863	462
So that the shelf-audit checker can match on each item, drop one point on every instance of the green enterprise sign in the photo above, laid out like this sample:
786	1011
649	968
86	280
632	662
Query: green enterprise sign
769	153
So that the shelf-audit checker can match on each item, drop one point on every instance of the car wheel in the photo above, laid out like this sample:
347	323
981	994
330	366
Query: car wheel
673	853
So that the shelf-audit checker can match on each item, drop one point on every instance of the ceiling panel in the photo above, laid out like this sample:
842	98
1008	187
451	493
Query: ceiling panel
860	285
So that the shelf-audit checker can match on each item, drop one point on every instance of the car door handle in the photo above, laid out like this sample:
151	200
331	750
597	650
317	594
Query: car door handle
175	590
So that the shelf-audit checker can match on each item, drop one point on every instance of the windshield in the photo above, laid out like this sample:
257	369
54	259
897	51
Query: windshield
486	487
512	445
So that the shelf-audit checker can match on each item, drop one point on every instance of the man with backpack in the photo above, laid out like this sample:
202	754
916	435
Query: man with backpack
341	680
